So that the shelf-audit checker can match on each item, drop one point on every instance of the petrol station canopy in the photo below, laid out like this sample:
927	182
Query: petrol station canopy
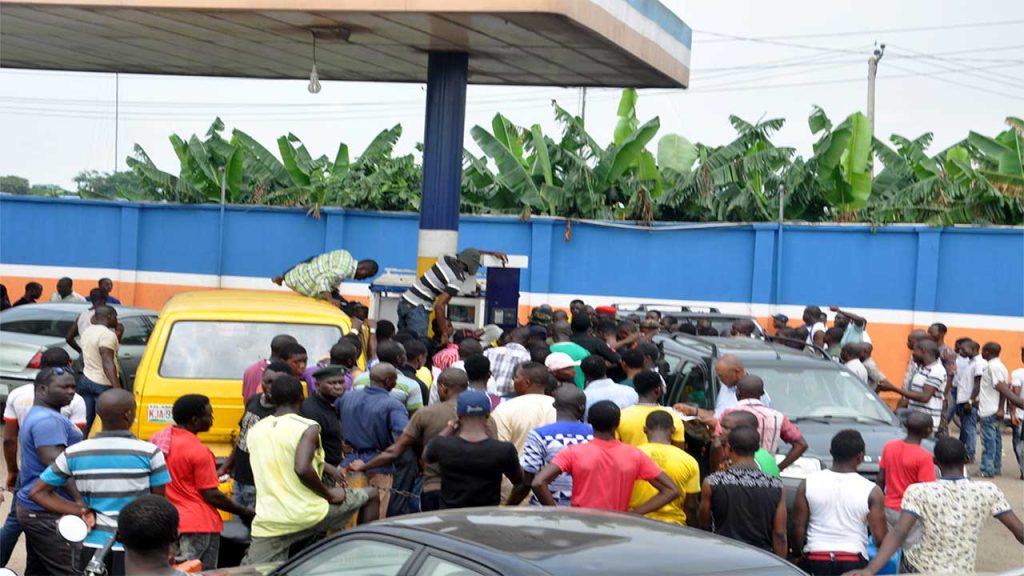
636	43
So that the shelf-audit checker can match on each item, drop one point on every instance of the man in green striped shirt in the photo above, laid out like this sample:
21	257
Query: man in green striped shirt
319	276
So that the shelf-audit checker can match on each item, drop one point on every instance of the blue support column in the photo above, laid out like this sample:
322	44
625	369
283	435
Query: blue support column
926	278
762	289
447	74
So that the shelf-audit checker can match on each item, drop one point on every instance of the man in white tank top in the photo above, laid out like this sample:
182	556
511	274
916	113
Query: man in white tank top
834	508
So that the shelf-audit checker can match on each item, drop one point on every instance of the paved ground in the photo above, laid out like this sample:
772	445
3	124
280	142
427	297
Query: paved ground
997	549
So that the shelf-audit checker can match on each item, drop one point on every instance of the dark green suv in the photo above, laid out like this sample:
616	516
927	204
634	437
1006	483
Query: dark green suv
819	395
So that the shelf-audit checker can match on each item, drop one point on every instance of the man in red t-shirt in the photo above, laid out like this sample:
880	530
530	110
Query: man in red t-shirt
193	488
604	470
905	462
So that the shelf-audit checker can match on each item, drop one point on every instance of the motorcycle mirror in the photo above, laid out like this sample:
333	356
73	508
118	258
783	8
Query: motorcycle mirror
72	528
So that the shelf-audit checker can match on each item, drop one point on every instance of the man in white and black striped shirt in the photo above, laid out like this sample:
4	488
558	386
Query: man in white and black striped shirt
924	391
452	275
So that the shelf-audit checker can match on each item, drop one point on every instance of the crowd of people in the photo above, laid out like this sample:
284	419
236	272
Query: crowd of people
566	410
65	292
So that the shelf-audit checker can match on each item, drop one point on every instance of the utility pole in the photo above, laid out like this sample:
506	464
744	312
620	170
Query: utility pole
872	71
117	114
583	104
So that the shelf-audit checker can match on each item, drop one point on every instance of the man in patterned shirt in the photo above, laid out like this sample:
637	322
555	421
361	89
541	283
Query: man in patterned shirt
544	443
951	510
319	276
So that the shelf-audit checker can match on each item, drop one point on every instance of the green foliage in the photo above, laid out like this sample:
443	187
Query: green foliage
14	185
522	170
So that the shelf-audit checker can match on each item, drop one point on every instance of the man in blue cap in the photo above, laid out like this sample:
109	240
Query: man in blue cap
452	275
470	461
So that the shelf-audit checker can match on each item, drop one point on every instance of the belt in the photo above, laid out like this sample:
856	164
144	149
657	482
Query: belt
834	557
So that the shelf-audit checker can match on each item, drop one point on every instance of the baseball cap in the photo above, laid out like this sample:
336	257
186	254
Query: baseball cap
650	325
473	403
781	318
471	258
607	310
558	361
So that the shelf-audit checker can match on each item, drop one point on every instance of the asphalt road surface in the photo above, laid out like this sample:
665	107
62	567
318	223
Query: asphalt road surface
997	549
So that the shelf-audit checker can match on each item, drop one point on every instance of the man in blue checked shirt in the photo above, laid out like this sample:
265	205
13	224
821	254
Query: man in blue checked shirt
140	470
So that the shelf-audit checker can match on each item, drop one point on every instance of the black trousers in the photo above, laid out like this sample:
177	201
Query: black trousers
430	501
47	553
407	468
830	567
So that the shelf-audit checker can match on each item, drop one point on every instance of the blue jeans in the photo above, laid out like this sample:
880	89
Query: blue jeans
413	318
968	428
951	410
244	495
991	446
11	531
89	391
1018	446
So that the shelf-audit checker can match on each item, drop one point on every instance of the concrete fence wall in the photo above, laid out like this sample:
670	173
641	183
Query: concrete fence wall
898	277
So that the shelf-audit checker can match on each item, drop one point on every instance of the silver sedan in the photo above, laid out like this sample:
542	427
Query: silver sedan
29	330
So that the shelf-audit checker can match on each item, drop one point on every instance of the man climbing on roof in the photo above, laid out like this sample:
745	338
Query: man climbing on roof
452	275
319	276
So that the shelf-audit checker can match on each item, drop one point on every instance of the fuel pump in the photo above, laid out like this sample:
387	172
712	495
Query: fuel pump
502	296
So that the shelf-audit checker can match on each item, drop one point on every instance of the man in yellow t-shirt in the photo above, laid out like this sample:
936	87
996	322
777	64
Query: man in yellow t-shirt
631	425
679	466
292	501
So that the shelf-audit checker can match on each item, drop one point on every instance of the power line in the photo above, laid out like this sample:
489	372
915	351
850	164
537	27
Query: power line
866	32
937	76
759	40
773	75
1001	79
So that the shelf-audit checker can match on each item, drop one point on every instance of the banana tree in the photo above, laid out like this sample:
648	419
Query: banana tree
841	163
204	166
1001	159
734	182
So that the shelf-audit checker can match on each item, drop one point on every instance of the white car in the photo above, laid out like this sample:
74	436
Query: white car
29	330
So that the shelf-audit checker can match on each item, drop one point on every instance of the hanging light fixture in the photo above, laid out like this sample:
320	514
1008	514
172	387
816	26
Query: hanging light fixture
314	77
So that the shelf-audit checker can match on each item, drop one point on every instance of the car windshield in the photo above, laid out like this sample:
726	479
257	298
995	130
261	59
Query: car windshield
821	393
37	320
223	350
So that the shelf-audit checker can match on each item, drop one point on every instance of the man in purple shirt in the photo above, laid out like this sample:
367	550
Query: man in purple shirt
344	353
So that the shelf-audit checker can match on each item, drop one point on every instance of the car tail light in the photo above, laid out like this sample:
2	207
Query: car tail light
36	361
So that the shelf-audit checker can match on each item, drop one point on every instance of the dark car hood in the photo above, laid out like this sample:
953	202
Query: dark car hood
819	439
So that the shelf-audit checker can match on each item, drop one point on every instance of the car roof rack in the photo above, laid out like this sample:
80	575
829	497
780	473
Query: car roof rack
711	344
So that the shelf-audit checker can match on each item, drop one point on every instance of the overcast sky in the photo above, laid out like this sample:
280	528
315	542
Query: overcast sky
960	68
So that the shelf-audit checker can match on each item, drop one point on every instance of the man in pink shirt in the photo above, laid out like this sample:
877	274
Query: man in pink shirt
604	470
772	424
252	379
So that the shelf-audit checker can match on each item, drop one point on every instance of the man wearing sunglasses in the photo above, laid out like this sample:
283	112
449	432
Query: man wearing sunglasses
44	435
19	403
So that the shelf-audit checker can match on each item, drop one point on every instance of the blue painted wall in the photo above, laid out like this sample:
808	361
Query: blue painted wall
961	270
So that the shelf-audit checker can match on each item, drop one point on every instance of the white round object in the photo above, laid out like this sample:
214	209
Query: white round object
72	528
